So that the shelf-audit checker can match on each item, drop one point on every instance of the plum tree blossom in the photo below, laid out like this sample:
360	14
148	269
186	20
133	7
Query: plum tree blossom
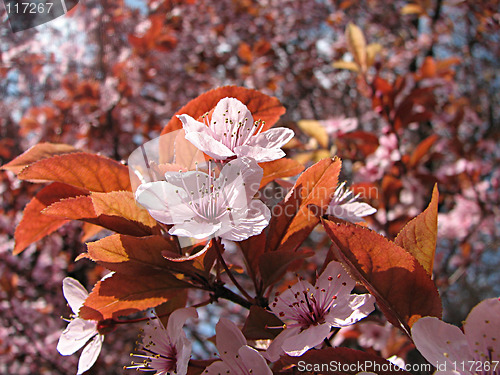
237	357
346	207
233	133
79	331
474	351
201	205
314	310
167	351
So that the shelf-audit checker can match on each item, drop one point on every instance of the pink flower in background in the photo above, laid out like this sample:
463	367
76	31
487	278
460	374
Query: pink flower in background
346	207
475	352
167	351
233	133
314	310
79	331
201	205
381	160
237	357
338	126
373	335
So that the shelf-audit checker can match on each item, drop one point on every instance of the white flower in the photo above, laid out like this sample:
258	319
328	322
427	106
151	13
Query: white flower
237	357
451	351
167	351
346	208
79	331
233	133
201	205
314	310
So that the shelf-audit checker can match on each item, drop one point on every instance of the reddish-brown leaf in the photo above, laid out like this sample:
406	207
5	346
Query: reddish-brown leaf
252	249
136	255
341	361
419	236
257	323
34	225
88	171
262	106
422	149
279	169
403	289
274	264
297	215
37	152
122	294
116	210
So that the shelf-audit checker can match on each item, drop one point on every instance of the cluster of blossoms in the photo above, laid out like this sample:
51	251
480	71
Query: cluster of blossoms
217	200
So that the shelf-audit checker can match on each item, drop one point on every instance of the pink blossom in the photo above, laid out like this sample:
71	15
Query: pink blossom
346	208
338	126
237	357
451	351
201	205
314	310
79	331
373	335
233	133
167	351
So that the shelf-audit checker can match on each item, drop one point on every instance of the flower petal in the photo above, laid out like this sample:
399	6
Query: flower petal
90	354
210	146
440	343
165	202
260	154
245	223
76	335
336	280
177	319
353	212
275	350
229	340
183	348
305	340
358	307
195	229
482	329
218	368
239	180
230	109
191	125
75	293
272	138
253	361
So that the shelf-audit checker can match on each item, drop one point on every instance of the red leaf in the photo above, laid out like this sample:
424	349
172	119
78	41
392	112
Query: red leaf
296	216
83	170
274	264
421	150
121	295
340	361
279	169
37	152
34	225
403	289
257	323
262	106
419	236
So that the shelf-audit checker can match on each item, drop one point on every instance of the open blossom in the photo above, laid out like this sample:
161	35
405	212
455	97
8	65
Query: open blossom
237	357
233	133
201	205
167	351
346	207
451	351
314	310
79	331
